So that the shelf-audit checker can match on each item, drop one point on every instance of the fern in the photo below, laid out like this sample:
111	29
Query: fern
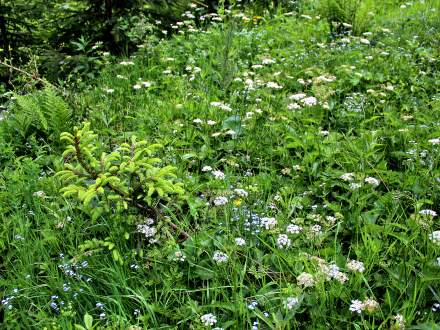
339	13
43	111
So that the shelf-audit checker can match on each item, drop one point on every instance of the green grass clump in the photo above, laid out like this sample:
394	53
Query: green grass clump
310	170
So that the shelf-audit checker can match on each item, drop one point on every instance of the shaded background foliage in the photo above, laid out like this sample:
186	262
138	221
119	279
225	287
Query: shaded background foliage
55	38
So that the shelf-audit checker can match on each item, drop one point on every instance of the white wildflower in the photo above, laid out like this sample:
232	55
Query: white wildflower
354	186
179	256
347	176
241	192
147	230
293	106
357	306
316	229
220	257
373	181
371	305
400	321
239	241
218	175
435	237
206	168
39	194
292	302
305	279
268	61
293	229
340	277
355	266
208	319
298	96
137	86
273	85
428	213
197	121
283	241
221	200
268	223
310	101
434	141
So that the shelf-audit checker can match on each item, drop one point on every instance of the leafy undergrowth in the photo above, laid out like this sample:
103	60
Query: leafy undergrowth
311	178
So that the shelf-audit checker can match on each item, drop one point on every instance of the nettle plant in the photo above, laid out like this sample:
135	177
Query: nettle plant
128	177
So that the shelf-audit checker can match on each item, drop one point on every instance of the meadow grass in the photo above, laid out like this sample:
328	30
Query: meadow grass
310	167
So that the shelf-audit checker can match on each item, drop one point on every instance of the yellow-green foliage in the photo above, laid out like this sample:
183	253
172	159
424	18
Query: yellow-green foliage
128	176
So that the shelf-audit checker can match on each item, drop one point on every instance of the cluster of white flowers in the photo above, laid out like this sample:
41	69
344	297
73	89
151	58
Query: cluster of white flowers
293	229
373	181
347	176
309	101
141	84
273	85
324	79
208	319
268	223
434	141
298	96
221	105
208	122
220	201
206	168
304	99
148	230
370	305
239	241
332	272
292	302
331	220
400	321
316	230
219	175
355	266
283	241
354	186
125	63
356	306
267	61
305	279
293	106
435	237
179	256
39	194
428	213
241	192
220	257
